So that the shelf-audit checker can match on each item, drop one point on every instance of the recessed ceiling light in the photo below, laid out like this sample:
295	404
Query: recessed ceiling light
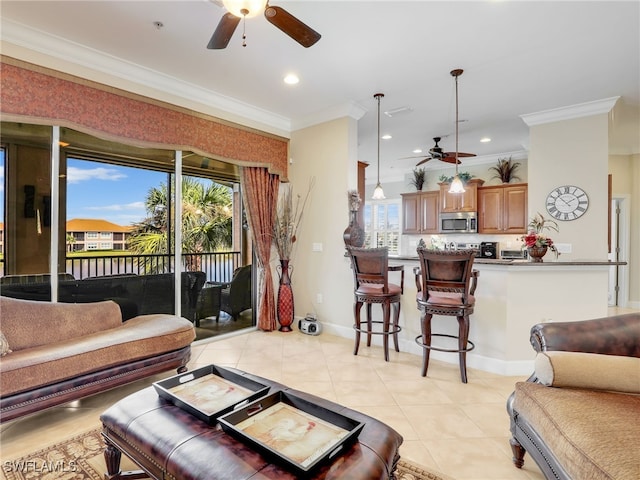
417	150
291	79
485	140
386	136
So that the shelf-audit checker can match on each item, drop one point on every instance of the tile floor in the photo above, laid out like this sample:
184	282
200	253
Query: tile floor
459	430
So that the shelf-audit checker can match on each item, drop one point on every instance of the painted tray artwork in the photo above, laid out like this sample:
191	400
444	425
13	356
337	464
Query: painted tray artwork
291	430
210	392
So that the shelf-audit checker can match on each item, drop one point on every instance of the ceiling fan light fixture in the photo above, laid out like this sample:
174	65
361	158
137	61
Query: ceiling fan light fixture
245	8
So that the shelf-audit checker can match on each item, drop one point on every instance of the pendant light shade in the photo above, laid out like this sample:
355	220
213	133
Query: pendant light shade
378	193
456	184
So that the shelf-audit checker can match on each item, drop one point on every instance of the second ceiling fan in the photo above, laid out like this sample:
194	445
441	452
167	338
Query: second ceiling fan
436	153
241	9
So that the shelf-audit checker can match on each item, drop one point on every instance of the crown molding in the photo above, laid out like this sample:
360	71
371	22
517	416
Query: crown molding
567	113
349	109
71	53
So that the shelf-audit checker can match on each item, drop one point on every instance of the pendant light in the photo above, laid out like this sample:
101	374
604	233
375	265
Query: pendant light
378	193
456	183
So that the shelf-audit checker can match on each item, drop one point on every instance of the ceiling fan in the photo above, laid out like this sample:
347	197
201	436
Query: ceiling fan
241	9
436	153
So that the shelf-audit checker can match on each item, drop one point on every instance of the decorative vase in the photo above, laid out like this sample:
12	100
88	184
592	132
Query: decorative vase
285	296
354	233
536	253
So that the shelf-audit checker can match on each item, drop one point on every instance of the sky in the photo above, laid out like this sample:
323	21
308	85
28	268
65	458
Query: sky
102	191
108	192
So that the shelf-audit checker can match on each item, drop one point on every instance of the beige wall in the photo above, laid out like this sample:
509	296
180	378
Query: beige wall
327	152
573	152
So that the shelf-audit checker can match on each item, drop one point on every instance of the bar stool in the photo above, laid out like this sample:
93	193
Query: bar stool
446	284
371	285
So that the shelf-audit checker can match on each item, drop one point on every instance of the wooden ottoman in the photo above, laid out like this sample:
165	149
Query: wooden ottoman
169	443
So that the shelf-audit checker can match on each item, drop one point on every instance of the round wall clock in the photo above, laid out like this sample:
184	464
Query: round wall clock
567	202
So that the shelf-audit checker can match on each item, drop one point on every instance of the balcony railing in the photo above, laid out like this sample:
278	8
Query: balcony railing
218	266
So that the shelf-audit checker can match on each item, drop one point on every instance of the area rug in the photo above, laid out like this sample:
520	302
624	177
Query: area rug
81	458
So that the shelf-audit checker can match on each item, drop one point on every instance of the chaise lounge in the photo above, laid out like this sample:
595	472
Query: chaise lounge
53	353
578	415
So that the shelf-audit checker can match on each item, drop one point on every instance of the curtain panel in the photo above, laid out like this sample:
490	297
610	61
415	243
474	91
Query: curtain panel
260	191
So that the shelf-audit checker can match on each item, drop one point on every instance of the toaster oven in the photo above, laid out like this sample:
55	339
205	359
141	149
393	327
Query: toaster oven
518	254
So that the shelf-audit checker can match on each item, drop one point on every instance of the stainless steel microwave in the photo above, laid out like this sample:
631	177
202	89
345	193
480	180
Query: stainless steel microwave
459	222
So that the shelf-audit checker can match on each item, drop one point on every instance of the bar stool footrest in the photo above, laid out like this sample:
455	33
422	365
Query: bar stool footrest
440	349
393	329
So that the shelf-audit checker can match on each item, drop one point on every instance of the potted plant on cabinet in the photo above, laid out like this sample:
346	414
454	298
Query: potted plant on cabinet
505	170
419	176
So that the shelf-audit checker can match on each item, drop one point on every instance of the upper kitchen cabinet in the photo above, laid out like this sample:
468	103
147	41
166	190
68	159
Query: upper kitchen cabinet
420	212
503	208
456	202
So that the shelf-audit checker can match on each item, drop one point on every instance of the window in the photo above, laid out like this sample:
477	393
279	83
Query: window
92	246
105	246
92	234
382	225
105	234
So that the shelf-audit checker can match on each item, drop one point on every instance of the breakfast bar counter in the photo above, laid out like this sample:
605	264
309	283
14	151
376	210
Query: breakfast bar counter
511	297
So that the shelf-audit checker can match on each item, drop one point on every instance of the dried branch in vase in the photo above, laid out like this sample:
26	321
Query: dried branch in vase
288	218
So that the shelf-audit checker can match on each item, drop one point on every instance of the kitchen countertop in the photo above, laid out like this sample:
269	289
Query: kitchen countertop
522	263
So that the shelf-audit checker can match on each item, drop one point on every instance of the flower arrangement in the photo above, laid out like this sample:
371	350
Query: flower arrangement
287	221
535	236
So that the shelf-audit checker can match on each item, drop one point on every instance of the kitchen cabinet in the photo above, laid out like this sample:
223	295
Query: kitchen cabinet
503	208
420	212
457	202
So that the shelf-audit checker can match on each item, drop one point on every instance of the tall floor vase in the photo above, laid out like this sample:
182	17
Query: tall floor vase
285	296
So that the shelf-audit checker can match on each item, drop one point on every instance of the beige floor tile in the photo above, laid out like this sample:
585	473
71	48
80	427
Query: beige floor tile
489	417
411	392
393	417
416	451
295	372
356	394
219	356
475	458
441	422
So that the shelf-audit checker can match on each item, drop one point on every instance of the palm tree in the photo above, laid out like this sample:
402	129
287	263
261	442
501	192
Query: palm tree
70	242
206	220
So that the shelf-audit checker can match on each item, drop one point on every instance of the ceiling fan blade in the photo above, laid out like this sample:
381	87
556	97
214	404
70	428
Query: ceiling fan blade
452	160
301	33
224	32
460	154
423	161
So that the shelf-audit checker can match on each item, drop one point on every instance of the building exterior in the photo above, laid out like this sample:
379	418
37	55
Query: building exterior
94	234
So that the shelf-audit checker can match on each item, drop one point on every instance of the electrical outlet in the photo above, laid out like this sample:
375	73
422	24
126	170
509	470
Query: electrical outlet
563	247
319	298
317	247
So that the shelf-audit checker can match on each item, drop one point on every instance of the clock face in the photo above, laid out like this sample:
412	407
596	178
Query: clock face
567	203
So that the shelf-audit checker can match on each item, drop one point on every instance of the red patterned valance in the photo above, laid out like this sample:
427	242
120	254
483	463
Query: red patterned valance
35	95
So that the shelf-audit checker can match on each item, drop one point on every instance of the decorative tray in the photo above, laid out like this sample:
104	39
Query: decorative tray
292	431
209	392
